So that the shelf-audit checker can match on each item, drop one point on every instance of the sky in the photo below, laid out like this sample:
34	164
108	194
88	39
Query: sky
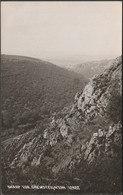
49	29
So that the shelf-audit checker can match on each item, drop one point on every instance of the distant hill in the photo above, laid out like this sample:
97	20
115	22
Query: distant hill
33	88
70	62
89	69
83	64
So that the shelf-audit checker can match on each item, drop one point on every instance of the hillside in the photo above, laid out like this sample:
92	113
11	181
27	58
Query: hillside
90	68
33	89
70	61
85	65
81	148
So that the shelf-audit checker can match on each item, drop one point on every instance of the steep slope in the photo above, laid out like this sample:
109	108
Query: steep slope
82	148
32	89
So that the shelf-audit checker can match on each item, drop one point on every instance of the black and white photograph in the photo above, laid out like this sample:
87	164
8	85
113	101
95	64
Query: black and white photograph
61	97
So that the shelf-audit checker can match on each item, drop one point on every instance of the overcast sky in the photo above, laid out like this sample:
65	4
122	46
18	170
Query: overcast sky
44	29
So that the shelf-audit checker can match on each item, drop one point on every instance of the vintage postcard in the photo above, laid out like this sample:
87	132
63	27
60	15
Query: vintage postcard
61	97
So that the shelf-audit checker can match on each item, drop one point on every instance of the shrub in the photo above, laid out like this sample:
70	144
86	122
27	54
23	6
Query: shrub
7	119
114	109
29	117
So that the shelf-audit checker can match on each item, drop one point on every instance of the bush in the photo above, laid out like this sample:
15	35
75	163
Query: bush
7	119
114	109
29	117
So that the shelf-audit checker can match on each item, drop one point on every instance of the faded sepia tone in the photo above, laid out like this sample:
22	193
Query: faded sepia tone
61	28
61	96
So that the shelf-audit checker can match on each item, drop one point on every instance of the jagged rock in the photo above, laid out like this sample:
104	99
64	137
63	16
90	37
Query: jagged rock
36	161
96	94
64	130
70	139
53	122
45	134
103	141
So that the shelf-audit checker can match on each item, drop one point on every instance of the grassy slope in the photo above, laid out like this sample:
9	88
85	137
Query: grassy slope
32	85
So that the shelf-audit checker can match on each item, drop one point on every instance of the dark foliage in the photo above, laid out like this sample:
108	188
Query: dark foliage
114	109
32	88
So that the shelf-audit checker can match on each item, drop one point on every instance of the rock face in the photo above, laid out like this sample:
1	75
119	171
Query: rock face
92	102
104	142
85	133
97	93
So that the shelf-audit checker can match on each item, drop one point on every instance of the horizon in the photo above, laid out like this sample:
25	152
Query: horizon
60	56
60	29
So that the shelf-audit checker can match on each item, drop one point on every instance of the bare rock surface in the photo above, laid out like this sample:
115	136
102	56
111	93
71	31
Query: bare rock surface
84	133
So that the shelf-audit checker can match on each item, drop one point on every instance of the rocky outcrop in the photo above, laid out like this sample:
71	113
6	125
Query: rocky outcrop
104	143
84	133
90	103
96	95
